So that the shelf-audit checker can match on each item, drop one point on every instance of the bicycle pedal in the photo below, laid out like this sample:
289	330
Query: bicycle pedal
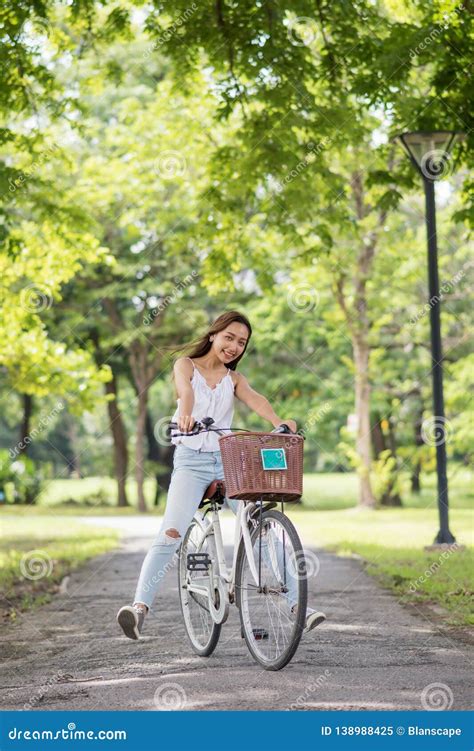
198	561
259	634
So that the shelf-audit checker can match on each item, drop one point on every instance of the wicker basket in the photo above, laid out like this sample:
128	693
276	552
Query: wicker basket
248	460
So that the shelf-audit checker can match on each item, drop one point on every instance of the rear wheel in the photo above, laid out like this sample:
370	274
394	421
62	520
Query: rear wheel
202	631
271	630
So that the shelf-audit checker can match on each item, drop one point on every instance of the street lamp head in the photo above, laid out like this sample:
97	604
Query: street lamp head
430	151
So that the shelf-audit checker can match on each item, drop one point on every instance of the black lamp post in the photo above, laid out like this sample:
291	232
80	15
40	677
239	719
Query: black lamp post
429	152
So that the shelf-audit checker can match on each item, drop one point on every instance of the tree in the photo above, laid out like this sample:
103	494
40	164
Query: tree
140	166
44	241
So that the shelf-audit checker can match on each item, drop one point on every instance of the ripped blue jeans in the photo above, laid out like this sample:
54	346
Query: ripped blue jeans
193	471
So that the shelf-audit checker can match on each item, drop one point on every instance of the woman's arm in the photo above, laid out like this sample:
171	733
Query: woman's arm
182	377
259	403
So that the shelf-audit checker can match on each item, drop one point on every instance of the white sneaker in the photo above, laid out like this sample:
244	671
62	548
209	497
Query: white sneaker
313	618
131	618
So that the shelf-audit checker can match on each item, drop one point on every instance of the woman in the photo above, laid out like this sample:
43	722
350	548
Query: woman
206	384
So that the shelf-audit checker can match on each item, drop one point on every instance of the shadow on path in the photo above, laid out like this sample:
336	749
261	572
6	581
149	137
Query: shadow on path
370	654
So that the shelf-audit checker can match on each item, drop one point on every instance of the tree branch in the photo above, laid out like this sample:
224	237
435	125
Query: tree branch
341	299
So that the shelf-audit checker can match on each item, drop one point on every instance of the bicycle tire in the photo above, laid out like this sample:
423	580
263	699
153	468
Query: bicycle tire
191	606
248	630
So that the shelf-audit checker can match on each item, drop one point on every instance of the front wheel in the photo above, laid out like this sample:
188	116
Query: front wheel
202	631
272	627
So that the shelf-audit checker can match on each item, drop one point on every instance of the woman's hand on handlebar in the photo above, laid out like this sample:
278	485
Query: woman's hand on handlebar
186	423
291	424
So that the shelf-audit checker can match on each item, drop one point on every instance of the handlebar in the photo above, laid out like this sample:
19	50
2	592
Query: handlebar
283	428
207	425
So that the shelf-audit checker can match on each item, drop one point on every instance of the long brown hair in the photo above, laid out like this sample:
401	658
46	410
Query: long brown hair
201	346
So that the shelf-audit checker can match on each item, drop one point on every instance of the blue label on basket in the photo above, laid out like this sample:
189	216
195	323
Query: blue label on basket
273	458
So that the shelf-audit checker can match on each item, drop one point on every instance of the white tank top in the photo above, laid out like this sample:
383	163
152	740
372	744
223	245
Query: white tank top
217	403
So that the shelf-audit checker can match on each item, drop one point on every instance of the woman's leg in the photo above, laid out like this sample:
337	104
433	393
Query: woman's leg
191	475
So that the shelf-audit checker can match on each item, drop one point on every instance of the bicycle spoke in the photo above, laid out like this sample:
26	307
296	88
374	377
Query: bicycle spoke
202	631
271	630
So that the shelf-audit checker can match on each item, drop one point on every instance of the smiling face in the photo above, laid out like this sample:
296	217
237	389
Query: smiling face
229	343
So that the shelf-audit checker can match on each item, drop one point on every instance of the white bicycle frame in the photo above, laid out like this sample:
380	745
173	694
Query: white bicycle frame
226	577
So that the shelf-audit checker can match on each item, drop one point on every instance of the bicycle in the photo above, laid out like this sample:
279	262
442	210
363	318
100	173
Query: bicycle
267	580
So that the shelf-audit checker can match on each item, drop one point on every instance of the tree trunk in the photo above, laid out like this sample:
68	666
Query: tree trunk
116	424
74	464
362	408
161	455
391	498
163	476
358	323
25	423
140	447
153	445
415	477
143	372
416	471
378	438
119	436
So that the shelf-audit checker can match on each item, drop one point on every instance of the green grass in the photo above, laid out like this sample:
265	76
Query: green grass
330	491
93	492
57	548
72	511
392	542
89	496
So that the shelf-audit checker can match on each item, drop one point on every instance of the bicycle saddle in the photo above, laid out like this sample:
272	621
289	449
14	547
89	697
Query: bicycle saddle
214	492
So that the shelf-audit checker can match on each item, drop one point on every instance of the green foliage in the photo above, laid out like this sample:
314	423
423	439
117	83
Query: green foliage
6	472
386	476
22	479
45	239
28	480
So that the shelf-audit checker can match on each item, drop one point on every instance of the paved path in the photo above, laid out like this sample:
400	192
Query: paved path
370	654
